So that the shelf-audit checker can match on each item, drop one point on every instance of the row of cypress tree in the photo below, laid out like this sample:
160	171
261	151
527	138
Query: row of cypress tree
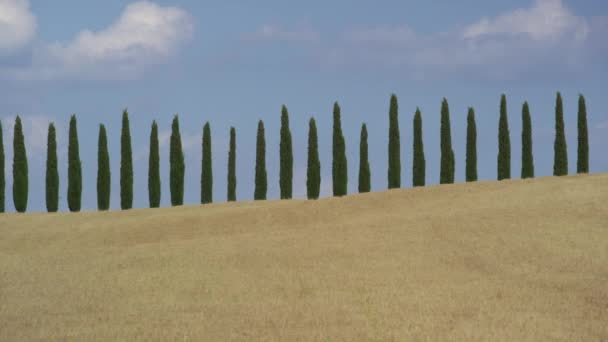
313	174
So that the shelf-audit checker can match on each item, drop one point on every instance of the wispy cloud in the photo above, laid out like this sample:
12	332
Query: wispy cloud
545	39
602	125
547	20
381	36
35	132
509	45
275	33
190	143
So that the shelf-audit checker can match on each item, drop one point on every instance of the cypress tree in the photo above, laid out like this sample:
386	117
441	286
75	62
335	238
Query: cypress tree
504	142
261	183
313	170
364	172
286	157
232	167
206	167
394	146
419	163
2	180
560	163
582	163
154	169
339	163
74	169
447	153
126	164
103	170
177	165
52	175
20	170
471	158
527	160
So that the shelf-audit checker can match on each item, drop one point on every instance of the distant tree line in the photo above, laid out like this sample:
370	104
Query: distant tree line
313	172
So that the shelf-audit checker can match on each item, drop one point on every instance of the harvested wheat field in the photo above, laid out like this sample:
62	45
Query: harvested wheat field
497	261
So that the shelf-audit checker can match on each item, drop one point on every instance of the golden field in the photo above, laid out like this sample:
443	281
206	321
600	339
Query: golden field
518	260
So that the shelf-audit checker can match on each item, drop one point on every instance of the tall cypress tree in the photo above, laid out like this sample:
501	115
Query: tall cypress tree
154	182
206	167
20	169
126	164
582	163
471	158
504	142
2	180
447	153
232	167
339	163
364	172
74	169
419	163
527	160
286	157
103	170
560	162
261	182
177	165
313	169
52	175
394	145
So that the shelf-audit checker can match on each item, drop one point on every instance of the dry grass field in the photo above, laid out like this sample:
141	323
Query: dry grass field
494	261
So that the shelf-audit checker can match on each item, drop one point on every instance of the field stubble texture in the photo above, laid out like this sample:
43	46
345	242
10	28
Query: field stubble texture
523	260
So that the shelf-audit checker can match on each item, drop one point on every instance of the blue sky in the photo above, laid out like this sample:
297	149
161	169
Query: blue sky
234	62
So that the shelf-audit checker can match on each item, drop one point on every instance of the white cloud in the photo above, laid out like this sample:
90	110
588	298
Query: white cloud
144	34
546	20
17	24
275	33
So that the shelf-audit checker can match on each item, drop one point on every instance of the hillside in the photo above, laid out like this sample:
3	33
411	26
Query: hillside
512	260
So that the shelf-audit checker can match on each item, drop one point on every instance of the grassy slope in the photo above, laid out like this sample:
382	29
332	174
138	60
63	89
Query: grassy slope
515	260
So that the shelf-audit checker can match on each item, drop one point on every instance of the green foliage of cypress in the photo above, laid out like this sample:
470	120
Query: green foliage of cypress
560	161
2	174
313	169
261	182
339	163
504	142
154	183
447	167
286	157
206	167
20	170
582	163
471	158
232	167
177	165
527	159
74	169
52	175
419	163
394	146
126	164
364	171
103	170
